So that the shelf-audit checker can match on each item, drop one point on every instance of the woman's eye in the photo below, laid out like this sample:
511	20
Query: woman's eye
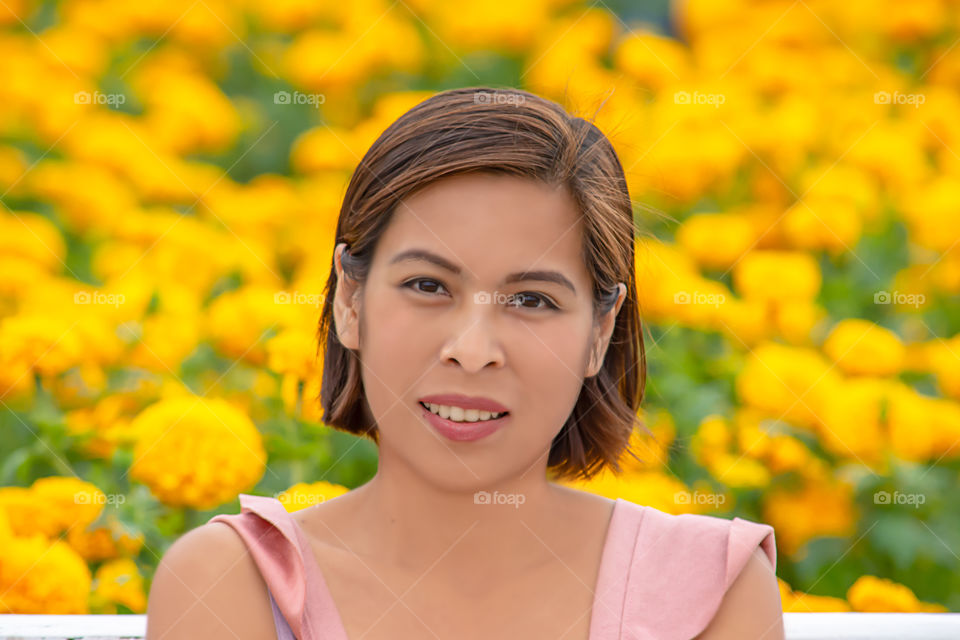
519	299
411	284
524	300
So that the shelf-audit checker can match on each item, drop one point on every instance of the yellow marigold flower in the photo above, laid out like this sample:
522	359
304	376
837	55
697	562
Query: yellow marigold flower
488	24
310	408
752	437
852	423
662	271
118	582
302	494
842	181
290	15
106	424
746	322
770	274
51	505
89	196
238	321
712	439
698	301
931	216
13	165
189	113
77	501
716	240
815	510
911	21
294	351
196	452
103	543
786	382
785	454
833	225
798	601
739	471
873	594
862	347
322	149
796	320
39	342
943	357
808	603
652	59
33	237
653	488
922	428
652	448
42	577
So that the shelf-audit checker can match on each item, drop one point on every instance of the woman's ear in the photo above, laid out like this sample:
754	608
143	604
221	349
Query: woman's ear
346	310
602	334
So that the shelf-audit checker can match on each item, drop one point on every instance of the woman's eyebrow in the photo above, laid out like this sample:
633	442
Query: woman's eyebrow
538	275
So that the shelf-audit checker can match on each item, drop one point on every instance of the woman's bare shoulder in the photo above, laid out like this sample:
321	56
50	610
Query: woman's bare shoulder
207	585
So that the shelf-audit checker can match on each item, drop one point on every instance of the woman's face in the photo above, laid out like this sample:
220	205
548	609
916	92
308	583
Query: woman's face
457	322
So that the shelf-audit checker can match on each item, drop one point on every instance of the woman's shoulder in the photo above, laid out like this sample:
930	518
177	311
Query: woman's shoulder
731	539
681	566
207	585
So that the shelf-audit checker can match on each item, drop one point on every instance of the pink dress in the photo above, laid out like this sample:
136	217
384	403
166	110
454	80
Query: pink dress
662	576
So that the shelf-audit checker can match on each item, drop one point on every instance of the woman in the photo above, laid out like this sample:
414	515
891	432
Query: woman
481	326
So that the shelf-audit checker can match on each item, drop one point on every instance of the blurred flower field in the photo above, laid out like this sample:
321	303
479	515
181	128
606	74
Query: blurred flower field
171	173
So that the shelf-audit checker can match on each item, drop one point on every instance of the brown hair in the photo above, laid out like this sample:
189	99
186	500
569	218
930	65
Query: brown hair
514	132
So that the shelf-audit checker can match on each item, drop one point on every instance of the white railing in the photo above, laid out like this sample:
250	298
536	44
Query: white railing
799	626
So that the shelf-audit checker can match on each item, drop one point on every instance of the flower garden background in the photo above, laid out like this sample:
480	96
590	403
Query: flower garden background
170	177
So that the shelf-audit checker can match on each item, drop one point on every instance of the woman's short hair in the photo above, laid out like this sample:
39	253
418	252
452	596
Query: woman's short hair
513	132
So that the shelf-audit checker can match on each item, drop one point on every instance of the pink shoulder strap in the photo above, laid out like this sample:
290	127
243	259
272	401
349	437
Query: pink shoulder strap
664	576
286	561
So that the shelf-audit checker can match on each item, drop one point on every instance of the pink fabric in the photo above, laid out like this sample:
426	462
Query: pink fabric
662	576
285	559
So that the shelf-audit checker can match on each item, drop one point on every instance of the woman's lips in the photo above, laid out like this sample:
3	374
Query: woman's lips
463	431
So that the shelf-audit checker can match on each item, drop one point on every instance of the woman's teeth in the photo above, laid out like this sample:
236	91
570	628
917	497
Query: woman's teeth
459	414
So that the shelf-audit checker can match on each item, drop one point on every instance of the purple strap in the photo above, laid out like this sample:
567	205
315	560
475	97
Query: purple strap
284	632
